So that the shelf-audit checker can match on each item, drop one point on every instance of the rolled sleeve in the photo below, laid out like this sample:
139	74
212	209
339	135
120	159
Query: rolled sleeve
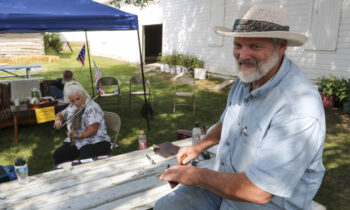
285	153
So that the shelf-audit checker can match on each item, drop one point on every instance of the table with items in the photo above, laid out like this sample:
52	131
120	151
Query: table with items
125	181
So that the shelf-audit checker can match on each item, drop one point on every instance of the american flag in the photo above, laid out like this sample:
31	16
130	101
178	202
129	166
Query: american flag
99	89
98	74
81	56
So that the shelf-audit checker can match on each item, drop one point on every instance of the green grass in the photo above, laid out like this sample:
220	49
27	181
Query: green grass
37	143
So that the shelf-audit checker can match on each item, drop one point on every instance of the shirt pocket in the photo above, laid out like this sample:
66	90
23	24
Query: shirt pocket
245	151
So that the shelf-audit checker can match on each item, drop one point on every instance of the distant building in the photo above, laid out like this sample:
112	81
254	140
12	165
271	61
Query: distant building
21	44
187	27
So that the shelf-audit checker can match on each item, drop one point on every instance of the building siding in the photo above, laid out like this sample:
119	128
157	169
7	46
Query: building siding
25	44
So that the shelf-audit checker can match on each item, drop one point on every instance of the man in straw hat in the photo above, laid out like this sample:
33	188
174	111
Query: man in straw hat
270	135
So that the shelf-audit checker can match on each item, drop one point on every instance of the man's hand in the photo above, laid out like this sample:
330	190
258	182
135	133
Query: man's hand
191	151
183	174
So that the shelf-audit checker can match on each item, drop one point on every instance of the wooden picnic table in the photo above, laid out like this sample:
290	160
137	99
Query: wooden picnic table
125	181
28	68
24	108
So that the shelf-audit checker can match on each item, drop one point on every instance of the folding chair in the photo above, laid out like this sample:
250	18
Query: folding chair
184	81
113	123
109	83
137	91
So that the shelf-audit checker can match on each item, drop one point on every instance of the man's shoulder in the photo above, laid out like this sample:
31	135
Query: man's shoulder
298	93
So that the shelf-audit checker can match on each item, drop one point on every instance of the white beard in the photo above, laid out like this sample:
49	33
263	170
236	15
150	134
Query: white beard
259	72
63	81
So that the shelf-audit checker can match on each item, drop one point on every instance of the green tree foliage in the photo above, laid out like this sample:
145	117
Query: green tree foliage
52	42
137	3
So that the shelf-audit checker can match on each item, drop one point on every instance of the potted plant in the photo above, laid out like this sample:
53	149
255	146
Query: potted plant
346	102
198	67
340	91
179	63
187	63
161	60
327	87
172	60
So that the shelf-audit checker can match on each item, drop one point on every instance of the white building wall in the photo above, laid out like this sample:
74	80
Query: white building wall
187	28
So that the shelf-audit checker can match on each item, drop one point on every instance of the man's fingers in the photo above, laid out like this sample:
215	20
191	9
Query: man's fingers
186	160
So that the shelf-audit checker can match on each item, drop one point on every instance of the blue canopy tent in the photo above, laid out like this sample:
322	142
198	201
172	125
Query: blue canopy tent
36	16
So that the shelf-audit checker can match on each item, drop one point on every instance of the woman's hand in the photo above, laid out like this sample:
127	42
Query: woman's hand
74	135
58	124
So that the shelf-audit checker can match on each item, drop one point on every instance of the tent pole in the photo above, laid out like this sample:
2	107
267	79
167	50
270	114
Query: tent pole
143	79
88	51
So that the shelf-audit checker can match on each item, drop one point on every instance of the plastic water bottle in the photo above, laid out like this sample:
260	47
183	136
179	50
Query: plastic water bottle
205	154
21	170
142	140
196	134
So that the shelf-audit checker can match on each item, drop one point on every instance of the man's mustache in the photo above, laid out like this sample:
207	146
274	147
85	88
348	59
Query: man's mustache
248	61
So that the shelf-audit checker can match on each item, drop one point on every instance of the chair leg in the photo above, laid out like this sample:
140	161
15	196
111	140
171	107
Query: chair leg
194	105
130	100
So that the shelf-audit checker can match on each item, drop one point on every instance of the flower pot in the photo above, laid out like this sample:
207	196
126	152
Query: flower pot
185	69
164	67
172	69
178	69
346	105
328	101
200	73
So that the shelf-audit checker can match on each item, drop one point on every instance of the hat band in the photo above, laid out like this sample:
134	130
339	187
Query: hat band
244	25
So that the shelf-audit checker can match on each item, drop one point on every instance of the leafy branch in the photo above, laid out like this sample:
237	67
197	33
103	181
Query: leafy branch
137	3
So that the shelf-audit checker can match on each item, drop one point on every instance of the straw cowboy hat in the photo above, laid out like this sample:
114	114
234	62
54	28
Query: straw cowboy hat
263	21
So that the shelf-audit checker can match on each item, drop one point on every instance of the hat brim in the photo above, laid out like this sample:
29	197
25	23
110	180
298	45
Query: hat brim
294	39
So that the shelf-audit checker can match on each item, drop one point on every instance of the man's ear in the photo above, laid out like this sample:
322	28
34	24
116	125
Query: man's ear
283	47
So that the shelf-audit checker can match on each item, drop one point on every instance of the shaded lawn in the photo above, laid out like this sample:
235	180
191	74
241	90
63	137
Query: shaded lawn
335	189
37	143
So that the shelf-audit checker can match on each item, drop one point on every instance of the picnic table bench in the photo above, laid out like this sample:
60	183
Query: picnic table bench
126	181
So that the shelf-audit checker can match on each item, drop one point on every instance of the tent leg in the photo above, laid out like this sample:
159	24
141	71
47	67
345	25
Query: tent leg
88	51
143	78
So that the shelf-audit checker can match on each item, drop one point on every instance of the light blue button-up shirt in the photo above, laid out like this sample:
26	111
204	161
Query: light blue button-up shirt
275	135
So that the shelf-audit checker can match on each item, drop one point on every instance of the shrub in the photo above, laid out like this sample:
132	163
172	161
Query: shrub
340	88
197	63
327	85
161	59
172	59
52	41
188	61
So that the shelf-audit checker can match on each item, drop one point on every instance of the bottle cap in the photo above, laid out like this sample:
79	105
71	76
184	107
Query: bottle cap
20	162
142	132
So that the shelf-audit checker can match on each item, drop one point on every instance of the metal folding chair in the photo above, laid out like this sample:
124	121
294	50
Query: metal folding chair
181	81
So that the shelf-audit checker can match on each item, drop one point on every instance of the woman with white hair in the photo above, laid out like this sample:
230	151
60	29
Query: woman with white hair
87	133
